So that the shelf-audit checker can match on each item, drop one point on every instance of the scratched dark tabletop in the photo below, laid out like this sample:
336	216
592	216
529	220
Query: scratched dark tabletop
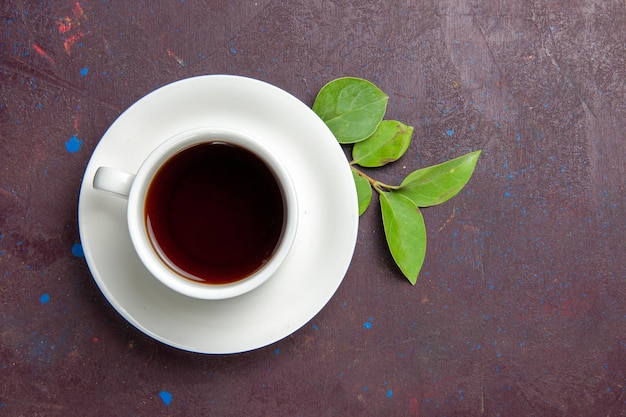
519	309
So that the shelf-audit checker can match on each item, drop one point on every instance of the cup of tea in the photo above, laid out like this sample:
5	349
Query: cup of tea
212	212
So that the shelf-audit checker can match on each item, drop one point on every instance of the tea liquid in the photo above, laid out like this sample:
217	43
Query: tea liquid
214	213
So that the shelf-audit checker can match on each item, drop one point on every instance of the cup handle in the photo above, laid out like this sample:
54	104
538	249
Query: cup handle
113	180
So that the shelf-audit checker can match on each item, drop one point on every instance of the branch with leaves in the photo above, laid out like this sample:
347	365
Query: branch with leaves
354	109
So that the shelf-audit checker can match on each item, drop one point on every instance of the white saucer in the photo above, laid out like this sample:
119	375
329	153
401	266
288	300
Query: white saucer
327	227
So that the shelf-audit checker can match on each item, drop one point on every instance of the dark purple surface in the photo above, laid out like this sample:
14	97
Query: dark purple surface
519	308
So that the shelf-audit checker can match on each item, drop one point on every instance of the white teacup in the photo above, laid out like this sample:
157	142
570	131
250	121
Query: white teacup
212	212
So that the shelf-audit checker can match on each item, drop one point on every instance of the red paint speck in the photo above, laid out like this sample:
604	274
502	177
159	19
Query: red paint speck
175	57
64	25
43	53
70	26
69	42
414	407
78	12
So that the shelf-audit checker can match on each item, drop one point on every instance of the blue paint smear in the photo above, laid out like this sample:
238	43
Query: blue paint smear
73	145
84	71
390	393
166	397
367	325
450	132
44	298
77	250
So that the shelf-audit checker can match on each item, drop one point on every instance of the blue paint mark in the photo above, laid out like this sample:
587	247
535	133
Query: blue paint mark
450	132
367	325
77	250
73	145
277	352
507	194
166	397
84	71
39	106
44	298
233	50
315	327
390	393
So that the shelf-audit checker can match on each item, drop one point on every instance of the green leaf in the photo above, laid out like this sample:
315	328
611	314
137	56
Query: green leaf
352	108
388	143
433	185
405	233
363	191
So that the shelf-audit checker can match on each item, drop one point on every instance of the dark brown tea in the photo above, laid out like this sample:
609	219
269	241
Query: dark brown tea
214	213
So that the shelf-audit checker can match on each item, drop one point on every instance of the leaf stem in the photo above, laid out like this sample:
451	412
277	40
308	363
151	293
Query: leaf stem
380	187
